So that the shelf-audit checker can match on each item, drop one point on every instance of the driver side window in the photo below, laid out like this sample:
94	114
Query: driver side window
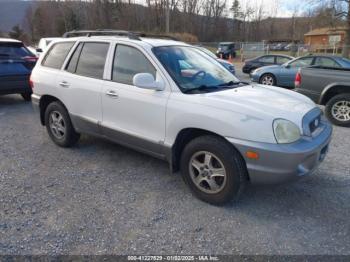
129	61
302	62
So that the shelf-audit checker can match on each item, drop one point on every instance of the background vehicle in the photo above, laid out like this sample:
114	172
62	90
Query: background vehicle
179	105
230	67
16	64
329	87
44	43
225	50
284	75
264	60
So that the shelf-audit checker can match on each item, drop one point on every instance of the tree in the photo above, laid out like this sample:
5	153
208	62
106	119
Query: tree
346	14
340	10
18	33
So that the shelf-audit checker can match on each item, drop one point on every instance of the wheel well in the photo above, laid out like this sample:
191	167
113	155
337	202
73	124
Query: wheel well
44	102
332	92
267	74
183	138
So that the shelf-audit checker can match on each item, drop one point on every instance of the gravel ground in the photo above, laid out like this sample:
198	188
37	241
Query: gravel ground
101	198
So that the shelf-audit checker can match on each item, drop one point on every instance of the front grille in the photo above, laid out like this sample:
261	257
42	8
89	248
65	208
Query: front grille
312	121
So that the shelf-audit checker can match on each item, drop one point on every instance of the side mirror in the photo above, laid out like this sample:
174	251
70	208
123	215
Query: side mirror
147	81
39	50
287	66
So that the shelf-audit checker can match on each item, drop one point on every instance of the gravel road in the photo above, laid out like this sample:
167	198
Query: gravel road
101	198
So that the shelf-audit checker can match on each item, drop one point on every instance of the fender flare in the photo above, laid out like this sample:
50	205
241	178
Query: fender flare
329	88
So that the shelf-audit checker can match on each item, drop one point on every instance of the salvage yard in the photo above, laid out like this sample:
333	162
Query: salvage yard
101	198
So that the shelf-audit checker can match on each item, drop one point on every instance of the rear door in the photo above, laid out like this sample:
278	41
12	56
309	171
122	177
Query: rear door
81	84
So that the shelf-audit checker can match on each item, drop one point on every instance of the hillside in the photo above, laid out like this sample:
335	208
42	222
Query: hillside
12	12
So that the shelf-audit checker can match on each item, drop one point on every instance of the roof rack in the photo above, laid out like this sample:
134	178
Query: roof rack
111	32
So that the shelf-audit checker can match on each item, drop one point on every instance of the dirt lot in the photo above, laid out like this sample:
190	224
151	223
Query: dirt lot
101	198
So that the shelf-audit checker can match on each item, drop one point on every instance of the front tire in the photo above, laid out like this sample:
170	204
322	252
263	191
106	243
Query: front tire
213	169
268	79
59	125
338	110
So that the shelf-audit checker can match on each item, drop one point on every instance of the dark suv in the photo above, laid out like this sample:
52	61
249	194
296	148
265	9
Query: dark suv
225	50
16	64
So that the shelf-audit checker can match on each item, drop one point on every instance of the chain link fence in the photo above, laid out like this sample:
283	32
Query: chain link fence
251	50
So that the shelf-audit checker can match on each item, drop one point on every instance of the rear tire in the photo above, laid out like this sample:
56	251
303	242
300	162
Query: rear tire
27	96
215	172
268	79
338	110
59	125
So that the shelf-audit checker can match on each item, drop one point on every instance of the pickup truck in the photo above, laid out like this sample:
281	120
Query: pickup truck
327	86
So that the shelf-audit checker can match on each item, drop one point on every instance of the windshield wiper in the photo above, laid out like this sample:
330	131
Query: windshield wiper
232	83
200	88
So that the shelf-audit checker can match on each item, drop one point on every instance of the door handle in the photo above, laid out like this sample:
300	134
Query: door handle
112	94
64	84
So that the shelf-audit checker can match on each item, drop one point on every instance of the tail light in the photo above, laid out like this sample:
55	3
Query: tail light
297	81
32	59
31	83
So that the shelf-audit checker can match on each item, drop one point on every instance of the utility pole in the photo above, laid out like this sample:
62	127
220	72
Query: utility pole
167	17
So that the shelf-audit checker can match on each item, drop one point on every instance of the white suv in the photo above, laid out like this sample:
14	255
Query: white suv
173	101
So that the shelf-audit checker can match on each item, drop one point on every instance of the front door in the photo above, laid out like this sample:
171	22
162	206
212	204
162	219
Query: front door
131	115
288	72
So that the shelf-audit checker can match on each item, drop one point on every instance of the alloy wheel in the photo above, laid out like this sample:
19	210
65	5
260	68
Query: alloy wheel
207	172
267	80
341	111
57	124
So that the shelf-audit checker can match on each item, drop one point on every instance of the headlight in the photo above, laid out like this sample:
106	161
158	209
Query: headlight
256	70
285	131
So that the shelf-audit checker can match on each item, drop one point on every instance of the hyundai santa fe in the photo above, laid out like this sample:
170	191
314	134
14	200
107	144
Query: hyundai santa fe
170	100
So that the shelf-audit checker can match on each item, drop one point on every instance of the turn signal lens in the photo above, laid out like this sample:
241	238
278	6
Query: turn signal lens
252	155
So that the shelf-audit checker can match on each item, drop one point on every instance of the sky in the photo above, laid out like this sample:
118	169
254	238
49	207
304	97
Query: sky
280	8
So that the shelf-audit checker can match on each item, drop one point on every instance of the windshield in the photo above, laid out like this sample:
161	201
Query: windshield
192	69
208	52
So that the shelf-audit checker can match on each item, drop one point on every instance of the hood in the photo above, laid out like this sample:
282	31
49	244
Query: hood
261	102
222	61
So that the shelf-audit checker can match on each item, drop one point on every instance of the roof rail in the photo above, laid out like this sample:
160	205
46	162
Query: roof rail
111	32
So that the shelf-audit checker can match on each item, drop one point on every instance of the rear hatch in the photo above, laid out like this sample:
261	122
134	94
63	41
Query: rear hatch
15	60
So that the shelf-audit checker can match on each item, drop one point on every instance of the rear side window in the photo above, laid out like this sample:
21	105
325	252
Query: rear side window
13	50
282	60
267	59
57	54
92	60
128	61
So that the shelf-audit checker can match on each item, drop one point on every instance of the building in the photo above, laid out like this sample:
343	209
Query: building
327	36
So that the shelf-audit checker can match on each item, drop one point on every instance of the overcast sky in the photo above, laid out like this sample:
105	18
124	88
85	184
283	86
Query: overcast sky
281	8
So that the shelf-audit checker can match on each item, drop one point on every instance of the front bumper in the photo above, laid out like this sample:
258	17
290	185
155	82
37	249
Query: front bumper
279	163
254	77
